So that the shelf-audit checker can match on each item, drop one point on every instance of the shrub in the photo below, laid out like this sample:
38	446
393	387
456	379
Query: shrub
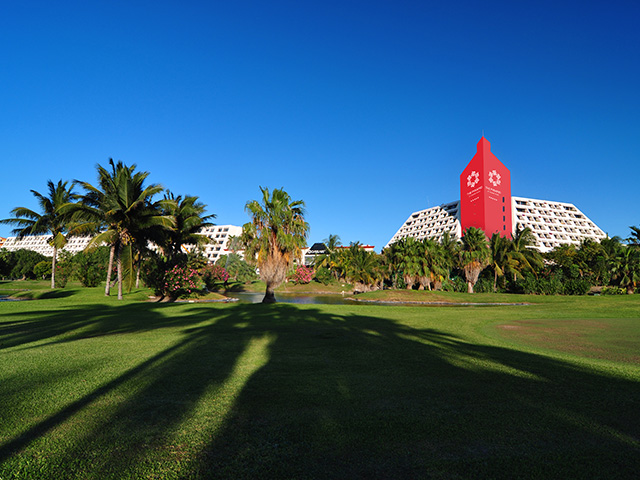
63	272
238	269
484	285
180	282
613	291
323	276
213	276
576	286
302	275
42	269
90	268
455	284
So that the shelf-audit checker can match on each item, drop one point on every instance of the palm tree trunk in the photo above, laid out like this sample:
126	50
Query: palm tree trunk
53	267
269	295
138	276
495	281
119	262
112	251
469	287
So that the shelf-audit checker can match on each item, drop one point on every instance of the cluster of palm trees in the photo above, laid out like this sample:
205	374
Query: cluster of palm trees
119	211
429	264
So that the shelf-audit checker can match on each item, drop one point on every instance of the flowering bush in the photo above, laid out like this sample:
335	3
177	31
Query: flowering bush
302	274
63	272
214	274
180	281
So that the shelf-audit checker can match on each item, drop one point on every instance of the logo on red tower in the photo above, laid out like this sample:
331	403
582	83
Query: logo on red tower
494	178
472	179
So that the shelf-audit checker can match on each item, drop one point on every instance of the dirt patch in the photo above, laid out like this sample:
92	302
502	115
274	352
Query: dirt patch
608	339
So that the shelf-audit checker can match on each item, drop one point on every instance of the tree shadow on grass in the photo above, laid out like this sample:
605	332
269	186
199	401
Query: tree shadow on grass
254	391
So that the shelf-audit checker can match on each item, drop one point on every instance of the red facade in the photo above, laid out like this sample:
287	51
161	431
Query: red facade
485	193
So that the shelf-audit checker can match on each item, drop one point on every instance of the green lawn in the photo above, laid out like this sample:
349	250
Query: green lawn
93	388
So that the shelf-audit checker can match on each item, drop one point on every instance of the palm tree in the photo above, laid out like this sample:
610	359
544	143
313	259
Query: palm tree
188	219
432	264
362	269
53	219
450	247
522	254
406	254
634	239
474	255
120	209
329	259
275	236
626	267
500	260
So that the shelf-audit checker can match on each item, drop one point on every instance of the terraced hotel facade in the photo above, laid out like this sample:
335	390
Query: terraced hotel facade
486	203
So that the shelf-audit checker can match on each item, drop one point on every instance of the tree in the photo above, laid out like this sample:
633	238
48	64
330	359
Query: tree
405	256
362	269
626	268
500	260
120	208
634	239
523	257
53	219
188	218
275	236
474	255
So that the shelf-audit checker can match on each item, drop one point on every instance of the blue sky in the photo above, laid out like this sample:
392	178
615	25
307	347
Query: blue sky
365	110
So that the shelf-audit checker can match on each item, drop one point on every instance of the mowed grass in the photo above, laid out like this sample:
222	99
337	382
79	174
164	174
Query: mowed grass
93	388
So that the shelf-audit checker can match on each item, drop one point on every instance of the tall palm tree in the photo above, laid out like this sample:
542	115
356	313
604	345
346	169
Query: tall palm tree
188	219
501	262
474	255
53	219
432	264
406	254
450	247
275	236
522	254
120	208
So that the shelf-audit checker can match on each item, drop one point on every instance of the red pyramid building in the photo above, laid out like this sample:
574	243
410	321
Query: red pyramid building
485	193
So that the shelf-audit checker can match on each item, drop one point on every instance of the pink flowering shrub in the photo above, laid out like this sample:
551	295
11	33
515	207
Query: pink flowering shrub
302	274
180	281
213	275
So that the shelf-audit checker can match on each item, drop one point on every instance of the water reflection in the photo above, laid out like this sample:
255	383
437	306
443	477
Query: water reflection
254	297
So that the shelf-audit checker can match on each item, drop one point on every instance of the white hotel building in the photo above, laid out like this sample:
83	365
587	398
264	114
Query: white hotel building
552	223
219	238
486	202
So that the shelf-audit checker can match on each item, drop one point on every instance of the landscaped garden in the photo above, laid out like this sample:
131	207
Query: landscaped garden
96	388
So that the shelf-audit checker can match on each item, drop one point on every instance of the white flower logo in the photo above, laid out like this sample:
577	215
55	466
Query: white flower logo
473	179
494	178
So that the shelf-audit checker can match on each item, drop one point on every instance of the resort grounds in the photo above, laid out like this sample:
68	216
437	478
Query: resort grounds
96	388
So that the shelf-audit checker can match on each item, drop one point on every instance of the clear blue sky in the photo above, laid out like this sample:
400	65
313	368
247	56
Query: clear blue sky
365	110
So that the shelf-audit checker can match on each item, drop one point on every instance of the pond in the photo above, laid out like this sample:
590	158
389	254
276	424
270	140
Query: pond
4	298
300	298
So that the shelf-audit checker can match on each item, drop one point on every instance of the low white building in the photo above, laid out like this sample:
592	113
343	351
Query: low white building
219	235
40	244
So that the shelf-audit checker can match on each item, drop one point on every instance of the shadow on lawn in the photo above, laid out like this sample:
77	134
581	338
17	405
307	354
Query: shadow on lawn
256	391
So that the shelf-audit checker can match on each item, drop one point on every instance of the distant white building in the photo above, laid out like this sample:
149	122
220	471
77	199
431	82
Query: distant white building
219	235
40	244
